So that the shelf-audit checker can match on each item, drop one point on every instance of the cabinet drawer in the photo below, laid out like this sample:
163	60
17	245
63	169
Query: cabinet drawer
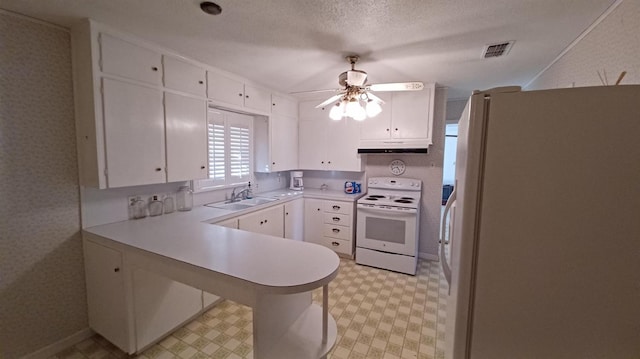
337	232
337	245
185	77
337	219
338	207
121	58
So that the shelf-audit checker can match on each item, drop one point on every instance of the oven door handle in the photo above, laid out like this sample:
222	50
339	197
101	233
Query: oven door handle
388	212
444	240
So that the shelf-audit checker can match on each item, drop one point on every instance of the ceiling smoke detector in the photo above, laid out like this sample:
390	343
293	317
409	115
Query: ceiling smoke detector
496	50
210	8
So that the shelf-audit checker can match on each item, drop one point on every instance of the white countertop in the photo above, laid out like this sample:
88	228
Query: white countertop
264	261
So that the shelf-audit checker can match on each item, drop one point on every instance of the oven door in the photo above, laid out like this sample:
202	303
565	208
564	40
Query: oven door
387	230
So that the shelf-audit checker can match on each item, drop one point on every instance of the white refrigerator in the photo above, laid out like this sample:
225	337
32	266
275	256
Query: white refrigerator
543	252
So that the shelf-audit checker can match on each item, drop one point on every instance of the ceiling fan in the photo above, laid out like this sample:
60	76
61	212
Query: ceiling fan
356	92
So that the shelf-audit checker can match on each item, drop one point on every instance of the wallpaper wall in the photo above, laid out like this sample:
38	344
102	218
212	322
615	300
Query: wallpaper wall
612	46
42	291
427	168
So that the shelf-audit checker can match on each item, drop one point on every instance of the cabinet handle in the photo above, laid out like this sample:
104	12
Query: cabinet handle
202	167
322	162
396	129
335	244
200	82
387	130
336	207
329	162
154	68
158	169
318	209
265	221
273	163
116	269
273	104
336	230
247	96
261	222
336	219
240	94
286	213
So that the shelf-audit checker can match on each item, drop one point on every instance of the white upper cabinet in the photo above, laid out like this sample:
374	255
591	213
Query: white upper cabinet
257	99
283	106
186	133
406	116
182	76
233	91
224	88
134	134
122	58
325	144
276	144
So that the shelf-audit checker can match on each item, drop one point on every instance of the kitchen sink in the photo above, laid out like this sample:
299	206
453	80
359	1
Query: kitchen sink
243	204
257	200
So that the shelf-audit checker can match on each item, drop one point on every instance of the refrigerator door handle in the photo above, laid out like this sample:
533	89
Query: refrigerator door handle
444	239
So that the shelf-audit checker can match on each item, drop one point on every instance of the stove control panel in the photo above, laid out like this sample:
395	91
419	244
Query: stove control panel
406	184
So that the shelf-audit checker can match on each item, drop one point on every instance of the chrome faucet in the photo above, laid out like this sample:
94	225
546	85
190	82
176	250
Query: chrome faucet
238	196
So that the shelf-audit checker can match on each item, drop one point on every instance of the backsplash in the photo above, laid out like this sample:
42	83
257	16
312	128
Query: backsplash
333	179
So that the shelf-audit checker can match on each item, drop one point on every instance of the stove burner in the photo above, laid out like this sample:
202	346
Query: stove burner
375	196
371	198
403	201
407	198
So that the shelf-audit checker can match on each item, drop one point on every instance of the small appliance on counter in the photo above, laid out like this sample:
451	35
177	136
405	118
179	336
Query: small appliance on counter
296	181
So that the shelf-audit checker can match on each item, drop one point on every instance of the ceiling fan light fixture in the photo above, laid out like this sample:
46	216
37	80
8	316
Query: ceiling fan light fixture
373	108
337	111
210	8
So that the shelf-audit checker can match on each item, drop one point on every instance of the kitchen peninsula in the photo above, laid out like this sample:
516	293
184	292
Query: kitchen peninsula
274	276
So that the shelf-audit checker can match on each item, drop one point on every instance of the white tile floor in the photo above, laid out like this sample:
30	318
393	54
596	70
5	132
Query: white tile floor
380	314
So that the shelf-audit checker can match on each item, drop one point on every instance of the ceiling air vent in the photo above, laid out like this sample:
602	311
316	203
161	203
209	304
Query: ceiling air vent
497	50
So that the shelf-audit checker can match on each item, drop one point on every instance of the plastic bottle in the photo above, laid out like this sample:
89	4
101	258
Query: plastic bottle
184	199
249	191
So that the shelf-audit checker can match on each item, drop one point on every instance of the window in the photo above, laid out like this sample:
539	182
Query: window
230	139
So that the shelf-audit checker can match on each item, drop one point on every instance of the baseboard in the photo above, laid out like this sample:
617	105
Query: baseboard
52	349
428	256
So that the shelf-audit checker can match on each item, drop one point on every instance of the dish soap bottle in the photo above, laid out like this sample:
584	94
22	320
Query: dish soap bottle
249	191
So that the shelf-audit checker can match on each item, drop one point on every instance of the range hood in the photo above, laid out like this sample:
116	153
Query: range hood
394	145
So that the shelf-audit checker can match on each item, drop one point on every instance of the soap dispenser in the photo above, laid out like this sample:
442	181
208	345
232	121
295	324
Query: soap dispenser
249	191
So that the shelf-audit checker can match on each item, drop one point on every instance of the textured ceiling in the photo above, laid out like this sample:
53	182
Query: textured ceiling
298	45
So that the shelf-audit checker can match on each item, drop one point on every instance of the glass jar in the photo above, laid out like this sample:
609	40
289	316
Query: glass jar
184	199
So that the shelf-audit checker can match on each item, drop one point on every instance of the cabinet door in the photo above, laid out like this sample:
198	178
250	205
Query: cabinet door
134	134
257	98
313	220
122	58
284	143
225	89
342	145
160	305
267	221
186	133
379	127
284	106
294	219
410	114
311	144
183	76
106	302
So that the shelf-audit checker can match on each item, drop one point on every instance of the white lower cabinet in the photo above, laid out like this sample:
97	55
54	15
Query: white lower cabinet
267	221
229	223
294	219
133	308
330	223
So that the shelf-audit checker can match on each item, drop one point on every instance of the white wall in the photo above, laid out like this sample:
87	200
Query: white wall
613	46
427	168
42	290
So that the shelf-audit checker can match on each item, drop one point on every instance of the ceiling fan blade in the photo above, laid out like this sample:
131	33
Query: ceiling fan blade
314	91
398	86
330	100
